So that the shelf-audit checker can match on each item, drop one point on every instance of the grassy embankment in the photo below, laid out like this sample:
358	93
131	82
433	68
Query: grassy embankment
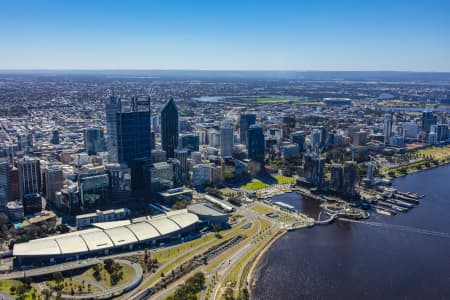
13	287
428	158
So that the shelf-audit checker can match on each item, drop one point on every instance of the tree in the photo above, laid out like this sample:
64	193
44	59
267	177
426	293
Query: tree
58	277
108	264
46	293
244	295
180	204
63	228
146	255
216	229
229	294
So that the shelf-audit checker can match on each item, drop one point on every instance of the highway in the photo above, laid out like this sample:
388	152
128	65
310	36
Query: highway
249	216
52	268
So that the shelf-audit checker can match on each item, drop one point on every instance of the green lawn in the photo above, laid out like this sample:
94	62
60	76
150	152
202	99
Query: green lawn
5	287
234	275
263	209
184	250
128	274
439	153
254	185
75	284
285	179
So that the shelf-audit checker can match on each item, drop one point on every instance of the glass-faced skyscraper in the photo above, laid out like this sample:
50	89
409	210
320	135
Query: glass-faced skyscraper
189	141
255	143
245	122
112	108
428	119
94	140
299	138
387	128
169	127
133	136
226	139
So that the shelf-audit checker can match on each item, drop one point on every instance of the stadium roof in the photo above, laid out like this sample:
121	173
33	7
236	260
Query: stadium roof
115	234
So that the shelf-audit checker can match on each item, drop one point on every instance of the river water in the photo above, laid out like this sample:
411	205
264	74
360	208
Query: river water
406	256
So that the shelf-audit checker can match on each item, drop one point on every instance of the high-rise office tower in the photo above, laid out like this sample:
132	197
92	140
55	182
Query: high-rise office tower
213	137
255	144
323	136
25	142
337	174
314	171
29	176
442	132
387	128
133	133
182	156
54	179
30	184
189	141
5	181
169	127
94	141
120	182
299	139
349	178
316	137
226	139
244	124
112	108
343	178
14	190
94	191
428	119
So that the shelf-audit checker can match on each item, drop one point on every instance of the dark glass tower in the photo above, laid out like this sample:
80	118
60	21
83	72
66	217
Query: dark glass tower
245	122
189	142
169	128
255	143
299	139
428	119
133	136
94	140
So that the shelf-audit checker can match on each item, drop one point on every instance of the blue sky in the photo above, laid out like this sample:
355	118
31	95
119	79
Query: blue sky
226	35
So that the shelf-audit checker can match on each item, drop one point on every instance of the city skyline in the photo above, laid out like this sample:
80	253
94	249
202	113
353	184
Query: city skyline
324	35
239	149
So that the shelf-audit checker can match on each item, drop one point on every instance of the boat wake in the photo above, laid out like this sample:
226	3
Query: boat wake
400	228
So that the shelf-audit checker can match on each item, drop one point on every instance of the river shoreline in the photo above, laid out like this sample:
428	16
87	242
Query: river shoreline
259	256
413	171
334	247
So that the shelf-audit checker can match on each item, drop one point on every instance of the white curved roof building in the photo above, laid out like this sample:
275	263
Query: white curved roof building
109	235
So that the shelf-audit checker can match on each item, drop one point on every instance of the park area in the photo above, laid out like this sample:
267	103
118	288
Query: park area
18	289
273	213
438	153
255	185
284	179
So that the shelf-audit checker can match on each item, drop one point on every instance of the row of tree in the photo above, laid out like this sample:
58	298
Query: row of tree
189	290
